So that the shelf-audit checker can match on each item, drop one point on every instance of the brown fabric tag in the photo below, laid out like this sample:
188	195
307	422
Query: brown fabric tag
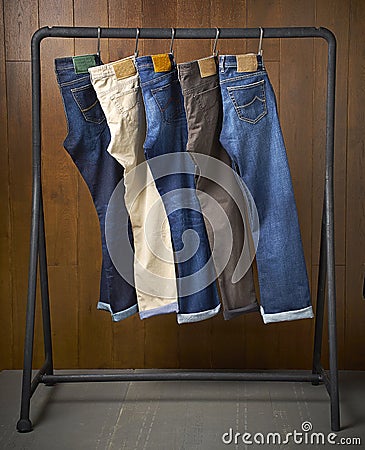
161	63
124	69
246	63
207	67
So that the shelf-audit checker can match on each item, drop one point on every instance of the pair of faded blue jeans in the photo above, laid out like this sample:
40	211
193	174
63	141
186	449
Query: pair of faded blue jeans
252	136
174	174
87	141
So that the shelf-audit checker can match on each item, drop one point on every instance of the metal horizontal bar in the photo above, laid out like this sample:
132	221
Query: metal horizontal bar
183	33
183	376
38	377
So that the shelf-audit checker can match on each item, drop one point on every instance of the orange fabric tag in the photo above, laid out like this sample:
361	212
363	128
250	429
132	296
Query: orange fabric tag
124	68
207	67
246	63
161	63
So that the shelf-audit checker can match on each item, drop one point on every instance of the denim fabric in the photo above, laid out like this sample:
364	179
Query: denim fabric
203	106
154	270
167	134
252	136
87	140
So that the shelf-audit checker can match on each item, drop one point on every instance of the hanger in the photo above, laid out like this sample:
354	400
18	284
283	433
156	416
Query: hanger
172	41
136	47
98	47
215	53
260	42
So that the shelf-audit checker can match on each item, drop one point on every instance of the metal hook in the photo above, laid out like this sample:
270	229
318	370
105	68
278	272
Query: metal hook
260	42
98	48
215	53
172	40
136	47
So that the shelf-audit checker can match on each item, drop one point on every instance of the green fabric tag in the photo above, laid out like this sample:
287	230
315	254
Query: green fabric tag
82	63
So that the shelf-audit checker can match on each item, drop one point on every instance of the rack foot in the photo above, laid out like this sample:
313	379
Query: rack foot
24	426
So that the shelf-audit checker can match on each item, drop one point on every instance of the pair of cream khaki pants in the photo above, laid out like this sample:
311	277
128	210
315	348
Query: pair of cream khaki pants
117	88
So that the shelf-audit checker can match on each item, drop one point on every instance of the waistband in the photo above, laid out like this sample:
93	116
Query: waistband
67	63
231	61
109	70
193	67
146	62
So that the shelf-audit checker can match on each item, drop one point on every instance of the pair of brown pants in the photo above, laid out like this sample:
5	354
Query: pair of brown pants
203	105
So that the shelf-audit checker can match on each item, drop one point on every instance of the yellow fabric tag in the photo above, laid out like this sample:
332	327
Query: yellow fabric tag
161	63
124	68
246	63
207	67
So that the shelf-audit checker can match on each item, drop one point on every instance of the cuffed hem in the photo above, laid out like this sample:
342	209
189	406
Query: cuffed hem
232	313
197	317
116	317
166	309
305	313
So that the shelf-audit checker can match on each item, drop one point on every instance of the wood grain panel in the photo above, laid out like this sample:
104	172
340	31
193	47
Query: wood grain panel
296	112
19	134
91	14
264	13
59	193
124	14
335	17
355	211
195	14
60	187
85	337
157	14
229	14
21	21
65	329
6	332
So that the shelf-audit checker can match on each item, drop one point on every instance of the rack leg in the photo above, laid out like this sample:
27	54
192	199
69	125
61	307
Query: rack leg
46	317
318	334
332	337
24	424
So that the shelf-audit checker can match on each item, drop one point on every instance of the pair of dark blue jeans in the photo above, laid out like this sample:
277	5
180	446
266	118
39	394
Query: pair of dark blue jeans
86	142
174	174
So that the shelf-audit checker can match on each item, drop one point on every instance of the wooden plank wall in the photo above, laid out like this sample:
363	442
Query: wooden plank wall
85	337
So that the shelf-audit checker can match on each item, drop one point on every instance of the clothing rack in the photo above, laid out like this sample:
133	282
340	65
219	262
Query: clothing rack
38	254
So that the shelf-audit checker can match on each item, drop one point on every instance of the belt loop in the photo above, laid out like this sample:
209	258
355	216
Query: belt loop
221	63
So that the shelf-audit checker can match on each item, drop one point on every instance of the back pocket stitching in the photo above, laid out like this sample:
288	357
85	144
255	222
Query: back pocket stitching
74	92
238	108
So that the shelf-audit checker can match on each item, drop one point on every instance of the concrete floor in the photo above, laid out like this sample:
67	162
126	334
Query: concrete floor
176	415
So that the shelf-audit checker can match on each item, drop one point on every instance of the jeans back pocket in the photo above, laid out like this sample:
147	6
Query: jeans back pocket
249	101
87	101
169	100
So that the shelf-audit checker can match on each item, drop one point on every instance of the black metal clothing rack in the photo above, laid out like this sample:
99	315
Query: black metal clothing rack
38	255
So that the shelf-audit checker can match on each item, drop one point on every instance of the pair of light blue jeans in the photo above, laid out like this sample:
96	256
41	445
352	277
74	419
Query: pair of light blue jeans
252	136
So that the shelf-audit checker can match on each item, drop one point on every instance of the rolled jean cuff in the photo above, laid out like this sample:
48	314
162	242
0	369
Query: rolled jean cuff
232	313
165	309
305	313
197	317
116	317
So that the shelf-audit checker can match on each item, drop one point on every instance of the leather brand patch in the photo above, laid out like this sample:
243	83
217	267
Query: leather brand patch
207	67
124	68
82	63
161	63
246	63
